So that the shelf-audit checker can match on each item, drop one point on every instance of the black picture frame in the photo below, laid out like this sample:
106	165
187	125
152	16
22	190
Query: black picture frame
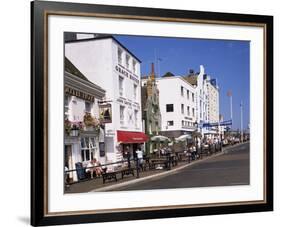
39	109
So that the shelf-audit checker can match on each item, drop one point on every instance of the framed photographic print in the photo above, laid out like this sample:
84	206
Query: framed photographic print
141	113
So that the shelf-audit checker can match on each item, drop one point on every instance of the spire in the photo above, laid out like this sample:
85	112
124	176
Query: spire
152	72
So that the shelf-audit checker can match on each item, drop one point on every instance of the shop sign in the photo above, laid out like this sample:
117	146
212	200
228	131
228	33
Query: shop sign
105	113
79	94
125	73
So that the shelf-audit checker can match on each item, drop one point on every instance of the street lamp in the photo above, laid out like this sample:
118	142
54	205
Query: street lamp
196	139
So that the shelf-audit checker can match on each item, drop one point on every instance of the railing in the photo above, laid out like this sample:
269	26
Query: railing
188	127
170	159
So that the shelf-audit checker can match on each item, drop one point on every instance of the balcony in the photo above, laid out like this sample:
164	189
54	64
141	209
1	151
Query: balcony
188	127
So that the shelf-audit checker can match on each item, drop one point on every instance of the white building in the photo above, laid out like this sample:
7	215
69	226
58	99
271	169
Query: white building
107	63
81	143
207	99
213	100
177	101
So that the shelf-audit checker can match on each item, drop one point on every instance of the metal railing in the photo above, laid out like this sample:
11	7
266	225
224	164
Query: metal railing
133	162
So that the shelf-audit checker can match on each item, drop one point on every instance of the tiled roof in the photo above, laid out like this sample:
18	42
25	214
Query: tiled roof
70	68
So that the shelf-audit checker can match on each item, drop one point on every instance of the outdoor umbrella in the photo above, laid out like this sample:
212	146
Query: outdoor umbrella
159	138
183	137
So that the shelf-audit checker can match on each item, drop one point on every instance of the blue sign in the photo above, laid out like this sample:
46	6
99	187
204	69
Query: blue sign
216	124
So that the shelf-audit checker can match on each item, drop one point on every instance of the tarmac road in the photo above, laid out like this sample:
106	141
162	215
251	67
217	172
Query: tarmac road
230	168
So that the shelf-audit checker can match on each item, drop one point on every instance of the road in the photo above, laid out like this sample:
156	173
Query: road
230	168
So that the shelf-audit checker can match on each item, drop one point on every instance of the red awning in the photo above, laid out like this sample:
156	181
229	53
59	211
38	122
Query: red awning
131	137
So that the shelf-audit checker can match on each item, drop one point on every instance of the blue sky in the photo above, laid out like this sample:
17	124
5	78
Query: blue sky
225	60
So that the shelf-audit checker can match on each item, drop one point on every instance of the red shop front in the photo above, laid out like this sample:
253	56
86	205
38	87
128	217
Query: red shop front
131	140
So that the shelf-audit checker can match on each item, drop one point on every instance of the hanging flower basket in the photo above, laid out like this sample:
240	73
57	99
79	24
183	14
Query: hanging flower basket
67	126
91	123
73	128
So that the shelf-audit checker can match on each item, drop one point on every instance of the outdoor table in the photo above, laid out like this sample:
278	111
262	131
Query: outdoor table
159	161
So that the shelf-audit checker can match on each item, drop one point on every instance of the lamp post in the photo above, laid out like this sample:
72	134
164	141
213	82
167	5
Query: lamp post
196	140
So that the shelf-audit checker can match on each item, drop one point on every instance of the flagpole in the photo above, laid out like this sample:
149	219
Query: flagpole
230	106
241	118
158	67
155	57
229	94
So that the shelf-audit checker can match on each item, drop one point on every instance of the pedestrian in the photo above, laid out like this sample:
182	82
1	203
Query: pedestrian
90	169
139	154
128	156
97	168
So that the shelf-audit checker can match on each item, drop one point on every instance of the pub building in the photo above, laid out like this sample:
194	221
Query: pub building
109	64
83	133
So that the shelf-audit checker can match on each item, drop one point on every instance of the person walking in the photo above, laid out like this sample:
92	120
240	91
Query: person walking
139	153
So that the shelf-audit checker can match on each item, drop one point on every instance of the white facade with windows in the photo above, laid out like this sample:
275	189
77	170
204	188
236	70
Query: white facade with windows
178	107
206	99
107	63
201	98
193	101
81	97
213	102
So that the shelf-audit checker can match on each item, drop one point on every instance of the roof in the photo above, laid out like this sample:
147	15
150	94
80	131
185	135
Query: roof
70	68
105	37
192	79
168	74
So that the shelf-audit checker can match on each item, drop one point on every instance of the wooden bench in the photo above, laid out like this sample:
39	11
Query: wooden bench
109	176
127	171
113	175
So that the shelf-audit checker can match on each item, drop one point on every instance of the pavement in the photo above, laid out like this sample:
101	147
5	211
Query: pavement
229	167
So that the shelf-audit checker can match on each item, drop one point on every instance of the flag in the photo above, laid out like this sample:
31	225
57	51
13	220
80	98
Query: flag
229	93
